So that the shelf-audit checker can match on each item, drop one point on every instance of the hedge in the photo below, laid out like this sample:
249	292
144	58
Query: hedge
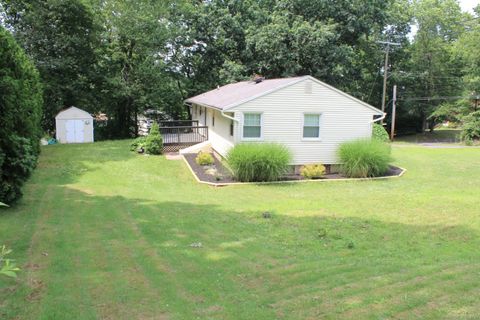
21	108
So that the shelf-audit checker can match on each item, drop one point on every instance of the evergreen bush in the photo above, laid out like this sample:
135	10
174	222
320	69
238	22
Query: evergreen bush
154	141
20	116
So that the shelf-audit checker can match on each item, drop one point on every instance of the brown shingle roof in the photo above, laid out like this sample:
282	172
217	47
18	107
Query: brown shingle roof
235	93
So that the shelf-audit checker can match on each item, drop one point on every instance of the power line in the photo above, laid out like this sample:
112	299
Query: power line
438	98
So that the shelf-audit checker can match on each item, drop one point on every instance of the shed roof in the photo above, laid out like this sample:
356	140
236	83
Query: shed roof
73	113
234	94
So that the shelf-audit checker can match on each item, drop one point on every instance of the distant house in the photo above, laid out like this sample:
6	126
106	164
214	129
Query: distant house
310	117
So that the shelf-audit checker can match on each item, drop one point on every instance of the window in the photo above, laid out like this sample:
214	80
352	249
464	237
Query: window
231	128
252	125
213	118
201	110
311	126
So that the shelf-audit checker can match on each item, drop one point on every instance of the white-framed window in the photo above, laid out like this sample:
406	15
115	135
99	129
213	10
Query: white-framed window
252	125
311	126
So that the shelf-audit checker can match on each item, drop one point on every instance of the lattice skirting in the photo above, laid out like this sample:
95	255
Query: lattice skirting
176	147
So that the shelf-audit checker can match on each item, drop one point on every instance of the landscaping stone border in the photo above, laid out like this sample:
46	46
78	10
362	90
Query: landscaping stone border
223	184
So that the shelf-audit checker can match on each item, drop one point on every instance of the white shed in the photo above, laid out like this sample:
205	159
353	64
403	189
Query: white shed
74	125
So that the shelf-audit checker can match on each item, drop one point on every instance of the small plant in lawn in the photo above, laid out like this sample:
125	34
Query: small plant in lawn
379	133
322	233
204	159
259	161
364	158
312	171
7	267
154	141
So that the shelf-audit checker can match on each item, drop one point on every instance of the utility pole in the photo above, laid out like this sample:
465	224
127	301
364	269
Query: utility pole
385	70
394	111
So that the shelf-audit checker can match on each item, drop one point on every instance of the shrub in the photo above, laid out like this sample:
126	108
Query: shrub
154	141
471	127
364	158
204	159
138	143
312	171
21	109
258	161
379	133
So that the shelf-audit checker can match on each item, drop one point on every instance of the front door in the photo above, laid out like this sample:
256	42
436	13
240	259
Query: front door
75	131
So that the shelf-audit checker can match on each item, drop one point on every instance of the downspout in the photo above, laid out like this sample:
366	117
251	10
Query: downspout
379	119
228	117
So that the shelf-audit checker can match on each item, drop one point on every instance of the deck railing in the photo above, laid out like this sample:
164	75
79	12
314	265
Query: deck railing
178	123
183	135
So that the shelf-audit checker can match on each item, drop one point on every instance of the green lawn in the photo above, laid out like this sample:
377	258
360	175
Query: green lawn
102	233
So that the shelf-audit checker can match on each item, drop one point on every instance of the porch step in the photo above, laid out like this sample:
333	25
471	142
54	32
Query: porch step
173	156
202	146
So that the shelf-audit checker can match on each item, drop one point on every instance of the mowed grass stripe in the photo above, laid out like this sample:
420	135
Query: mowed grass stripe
66	288
21	233
201	281
116	258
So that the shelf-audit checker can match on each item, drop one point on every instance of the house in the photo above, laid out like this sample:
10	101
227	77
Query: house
74	125
308	116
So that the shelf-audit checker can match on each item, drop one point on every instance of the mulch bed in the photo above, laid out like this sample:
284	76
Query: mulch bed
223	175
218	173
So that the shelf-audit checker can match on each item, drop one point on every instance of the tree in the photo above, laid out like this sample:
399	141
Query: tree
133	44
21	111
59	35
436	73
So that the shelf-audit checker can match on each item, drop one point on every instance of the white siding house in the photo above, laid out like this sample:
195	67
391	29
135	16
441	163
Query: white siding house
308	116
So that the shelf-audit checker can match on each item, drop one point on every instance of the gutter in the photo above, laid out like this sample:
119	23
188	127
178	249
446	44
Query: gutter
211	107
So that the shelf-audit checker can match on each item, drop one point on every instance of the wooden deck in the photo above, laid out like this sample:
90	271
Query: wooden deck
179	137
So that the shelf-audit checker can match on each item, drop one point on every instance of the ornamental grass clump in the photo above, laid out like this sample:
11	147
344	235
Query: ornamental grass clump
255	162
364	158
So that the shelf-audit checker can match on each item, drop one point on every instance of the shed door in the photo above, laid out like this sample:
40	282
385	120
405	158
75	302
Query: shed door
75	131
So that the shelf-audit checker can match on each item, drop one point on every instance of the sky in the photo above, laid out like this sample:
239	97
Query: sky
468	5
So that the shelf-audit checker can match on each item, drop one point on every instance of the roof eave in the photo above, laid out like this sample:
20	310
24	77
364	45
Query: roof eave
203	104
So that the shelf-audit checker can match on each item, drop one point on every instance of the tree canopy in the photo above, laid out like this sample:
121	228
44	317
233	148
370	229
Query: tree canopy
123	57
